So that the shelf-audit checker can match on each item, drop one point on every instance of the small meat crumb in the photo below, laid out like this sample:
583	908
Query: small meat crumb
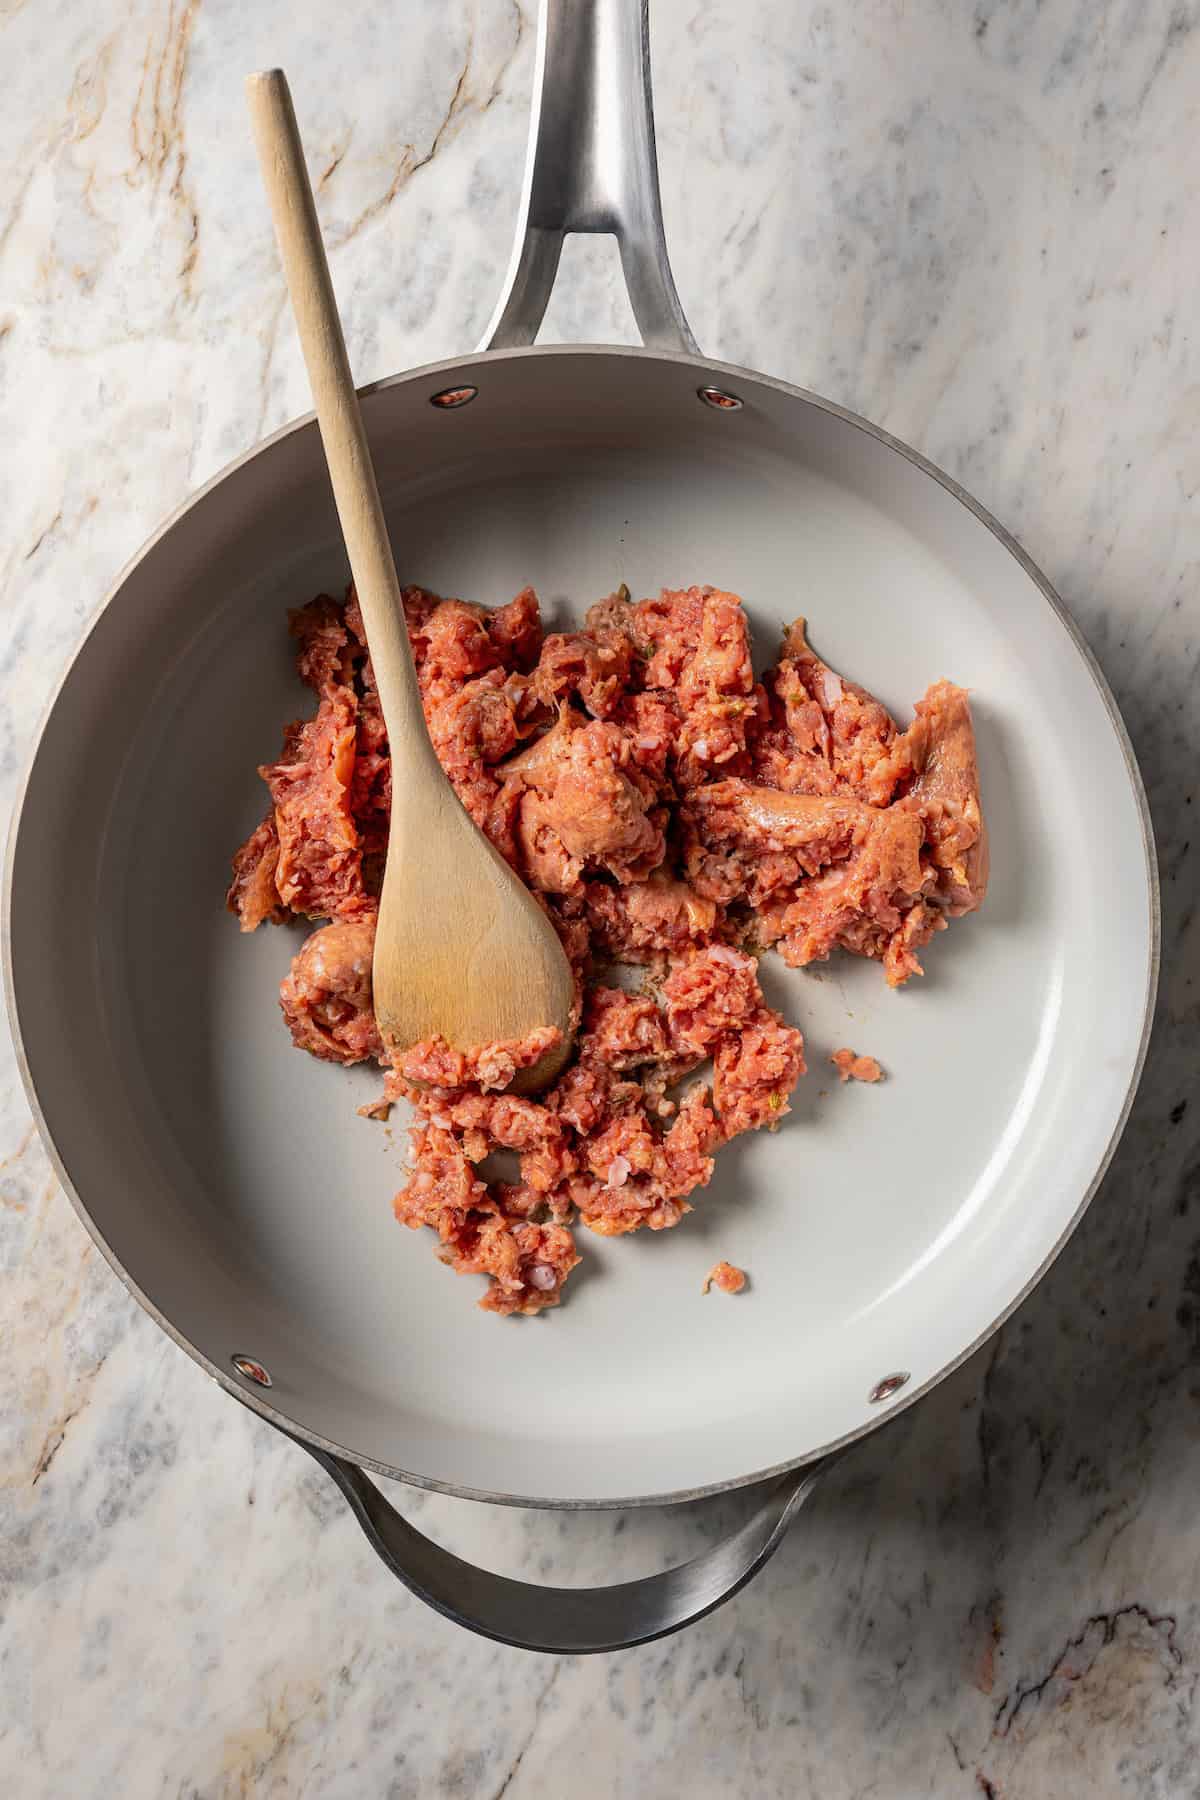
723	1275
377	1109
856	1068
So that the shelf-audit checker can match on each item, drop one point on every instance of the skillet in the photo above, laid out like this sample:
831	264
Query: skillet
888	1232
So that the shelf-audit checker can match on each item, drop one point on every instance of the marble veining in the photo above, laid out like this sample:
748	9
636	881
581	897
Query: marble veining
977	225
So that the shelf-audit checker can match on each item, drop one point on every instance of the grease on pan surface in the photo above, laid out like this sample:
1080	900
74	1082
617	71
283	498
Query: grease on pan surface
670	813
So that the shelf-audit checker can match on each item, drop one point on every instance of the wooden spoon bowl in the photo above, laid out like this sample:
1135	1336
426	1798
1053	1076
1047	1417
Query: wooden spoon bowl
462	950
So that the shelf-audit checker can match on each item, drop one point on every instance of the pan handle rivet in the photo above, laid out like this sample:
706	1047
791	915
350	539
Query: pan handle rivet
449	398
253	1371
718	398
891	1384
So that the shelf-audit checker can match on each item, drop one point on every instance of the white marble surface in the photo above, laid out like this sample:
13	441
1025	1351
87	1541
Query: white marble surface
977	225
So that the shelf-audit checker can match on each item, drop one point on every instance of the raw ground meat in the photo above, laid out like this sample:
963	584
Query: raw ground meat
326	995
851	1067
726	1277
670	813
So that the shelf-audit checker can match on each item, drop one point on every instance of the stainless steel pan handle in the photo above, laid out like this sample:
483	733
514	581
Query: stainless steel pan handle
569	1621
591	167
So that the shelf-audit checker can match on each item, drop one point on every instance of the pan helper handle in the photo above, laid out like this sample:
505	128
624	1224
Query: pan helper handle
591	167
570	1621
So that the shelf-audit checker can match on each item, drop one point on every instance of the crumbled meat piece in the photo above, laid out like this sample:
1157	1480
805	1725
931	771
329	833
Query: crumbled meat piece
329	651
823	872
855	1068
529	1277
380	1108
590	806
636	921
582	1096
326	995
762	840
456	645
711	994
697	645
253	895
319	869
667	811
537	764
860	901
725	1277
436	1064
506	1122
575	666
641	1176
516	631
756	1069
941	744
825	735
622	1030
527	1263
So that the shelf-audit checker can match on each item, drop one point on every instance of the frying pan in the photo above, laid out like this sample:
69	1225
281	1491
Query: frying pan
887	1231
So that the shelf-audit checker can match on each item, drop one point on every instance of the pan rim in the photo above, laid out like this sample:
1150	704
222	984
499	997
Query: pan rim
704	366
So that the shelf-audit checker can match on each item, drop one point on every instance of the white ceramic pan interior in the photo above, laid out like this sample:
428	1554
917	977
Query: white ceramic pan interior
885	1231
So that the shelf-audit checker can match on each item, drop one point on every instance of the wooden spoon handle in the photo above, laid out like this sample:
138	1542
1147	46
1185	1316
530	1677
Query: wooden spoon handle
347	453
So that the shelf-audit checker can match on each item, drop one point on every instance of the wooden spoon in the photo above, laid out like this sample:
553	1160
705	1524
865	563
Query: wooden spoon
462	949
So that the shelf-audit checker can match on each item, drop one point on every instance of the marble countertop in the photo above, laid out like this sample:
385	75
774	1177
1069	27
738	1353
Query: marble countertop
976	225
